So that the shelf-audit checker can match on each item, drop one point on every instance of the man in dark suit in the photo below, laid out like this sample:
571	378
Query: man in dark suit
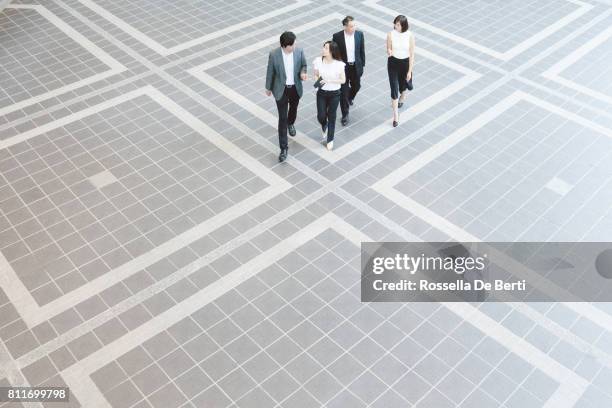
352	48
286	71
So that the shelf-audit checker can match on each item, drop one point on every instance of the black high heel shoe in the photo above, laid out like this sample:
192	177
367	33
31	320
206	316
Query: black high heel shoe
395	123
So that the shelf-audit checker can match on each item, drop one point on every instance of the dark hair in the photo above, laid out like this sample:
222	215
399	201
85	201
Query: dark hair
287	38
347	19
403	21
334	50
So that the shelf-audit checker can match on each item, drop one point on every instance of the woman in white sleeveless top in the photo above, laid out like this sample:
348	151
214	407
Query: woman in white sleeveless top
400	48
329	74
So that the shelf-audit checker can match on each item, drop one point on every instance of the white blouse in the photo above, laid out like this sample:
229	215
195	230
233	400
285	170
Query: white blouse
400	44
327	71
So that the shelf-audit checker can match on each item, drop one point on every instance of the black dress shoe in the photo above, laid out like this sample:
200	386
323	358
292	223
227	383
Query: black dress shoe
283	155
345	121
395	123
291	130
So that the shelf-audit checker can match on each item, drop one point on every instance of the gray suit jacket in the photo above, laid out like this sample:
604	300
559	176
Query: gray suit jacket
275	76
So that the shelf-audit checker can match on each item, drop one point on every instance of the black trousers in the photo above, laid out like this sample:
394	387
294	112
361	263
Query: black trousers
349	88
397	70
327	106
287	113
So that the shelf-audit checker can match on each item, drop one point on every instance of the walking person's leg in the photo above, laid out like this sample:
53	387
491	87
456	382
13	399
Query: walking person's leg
394	85
355	83
282	107
294	101
403	72
344	98
333	102
322	112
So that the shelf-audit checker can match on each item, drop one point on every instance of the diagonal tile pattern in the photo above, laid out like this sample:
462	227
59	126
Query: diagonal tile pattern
153	253
44	56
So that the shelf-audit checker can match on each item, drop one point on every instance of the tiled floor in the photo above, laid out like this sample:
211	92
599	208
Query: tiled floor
153	253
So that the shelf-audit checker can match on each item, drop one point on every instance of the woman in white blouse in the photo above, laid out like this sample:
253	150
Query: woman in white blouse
329	76
400	49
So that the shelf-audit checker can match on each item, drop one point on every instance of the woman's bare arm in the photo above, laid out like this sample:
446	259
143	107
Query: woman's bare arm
411	64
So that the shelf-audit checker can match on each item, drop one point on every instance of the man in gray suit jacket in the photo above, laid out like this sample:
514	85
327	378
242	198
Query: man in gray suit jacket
286	71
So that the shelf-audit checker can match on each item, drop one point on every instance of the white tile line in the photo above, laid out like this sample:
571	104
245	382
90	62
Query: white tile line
84	389
446	144
22	137
460	235
567	114
115	66
595	314
575	55
554	72
504	56
386	187
265	43
563	333
571	387
10	371
138	76
244	24
72	33
273	40
313	145
17	293
559	397
564	397
559	24
34	314
78	376
162	50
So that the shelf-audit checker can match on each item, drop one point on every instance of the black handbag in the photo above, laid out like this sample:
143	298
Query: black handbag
409	85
